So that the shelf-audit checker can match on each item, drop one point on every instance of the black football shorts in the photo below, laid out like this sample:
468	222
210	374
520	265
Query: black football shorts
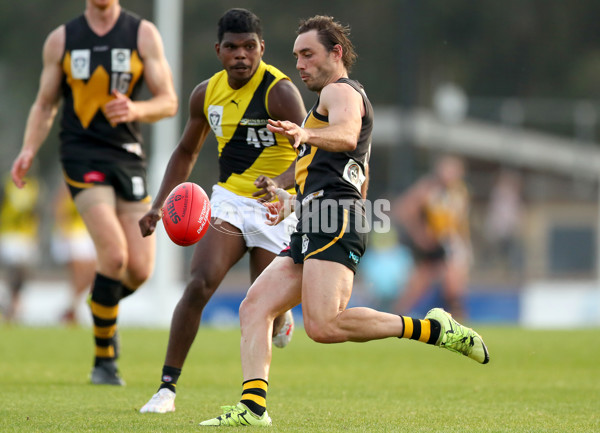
338	237
127	179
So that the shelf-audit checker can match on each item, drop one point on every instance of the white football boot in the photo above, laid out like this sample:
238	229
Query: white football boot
161	402
284	335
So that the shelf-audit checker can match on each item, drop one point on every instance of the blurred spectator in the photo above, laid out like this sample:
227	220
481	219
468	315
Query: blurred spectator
503	221
72	246
385	269
434	215
19	225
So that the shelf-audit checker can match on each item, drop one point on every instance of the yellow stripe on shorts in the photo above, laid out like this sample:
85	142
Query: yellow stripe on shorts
334	240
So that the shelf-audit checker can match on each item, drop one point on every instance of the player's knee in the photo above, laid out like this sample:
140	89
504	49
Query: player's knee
199	291
248	310
321	332
255	306
113	263
138	275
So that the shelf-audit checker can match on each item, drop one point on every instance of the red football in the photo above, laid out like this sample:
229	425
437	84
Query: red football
186	214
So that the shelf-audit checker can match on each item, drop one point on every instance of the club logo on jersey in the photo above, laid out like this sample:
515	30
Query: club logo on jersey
353	173
304	244
80	64
215	119
302	150
120	60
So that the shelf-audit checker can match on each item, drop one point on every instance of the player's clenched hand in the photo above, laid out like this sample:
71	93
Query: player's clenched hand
267	188
279	210
21	166
120	110
295	133
148	222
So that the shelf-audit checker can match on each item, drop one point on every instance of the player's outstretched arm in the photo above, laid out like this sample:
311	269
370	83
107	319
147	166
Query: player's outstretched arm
44	108
182	159
158	78
344	107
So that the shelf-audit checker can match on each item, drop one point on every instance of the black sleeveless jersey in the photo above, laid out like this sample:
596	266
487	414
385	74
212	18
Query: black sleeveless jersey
334	175
93	66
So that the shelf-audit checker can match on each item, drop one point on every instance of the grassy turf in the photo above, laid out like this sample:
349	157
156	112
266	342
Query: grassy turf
536	382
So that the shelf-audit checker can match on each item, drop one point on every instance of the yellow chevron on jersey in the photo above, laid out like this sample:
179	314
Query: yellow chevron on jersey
307	152
238	118
91	95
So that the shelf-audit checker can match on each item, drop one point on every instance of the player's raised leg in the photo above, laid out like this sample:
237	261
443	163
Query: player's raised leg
326	290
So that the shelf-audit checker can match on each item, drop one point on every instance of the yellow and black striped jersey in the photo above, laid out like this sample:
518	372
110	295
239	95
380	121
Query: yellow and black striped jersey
18	214
335	175
93	67
446	210
238	118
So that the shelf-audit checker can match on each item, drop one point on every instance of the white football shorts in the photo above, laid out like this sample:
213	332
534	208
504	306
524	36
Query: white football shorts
249	216
18	249
76	246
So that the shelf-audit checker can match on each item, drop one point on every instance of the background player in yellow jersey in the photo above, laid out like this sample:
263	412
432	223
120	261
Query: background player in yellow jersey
434	213
318	269
235	103
72	246
19	240
96	64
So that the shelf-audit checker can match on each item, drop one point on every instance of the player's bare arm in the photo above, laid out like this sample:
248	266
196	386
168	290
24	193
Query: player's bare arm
285	102
182	159
344	107
44	109
157	75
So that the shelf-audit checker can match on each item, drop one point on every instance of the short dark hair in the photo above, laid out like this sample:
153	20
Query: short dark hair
238	20
331	33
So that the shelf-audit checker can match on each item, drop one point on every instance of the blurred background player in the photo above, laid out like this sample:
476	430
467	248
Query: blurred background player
72	246
19	226
503	222
434	214
235	103
96	63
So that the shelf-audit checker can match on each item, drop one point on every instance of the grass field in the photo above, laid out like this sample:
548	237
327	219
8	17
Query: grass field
537	381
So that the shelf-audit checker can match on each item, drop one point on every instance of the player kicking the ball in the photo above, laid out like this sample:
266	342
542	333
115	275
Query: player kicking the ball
318	269
235	103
